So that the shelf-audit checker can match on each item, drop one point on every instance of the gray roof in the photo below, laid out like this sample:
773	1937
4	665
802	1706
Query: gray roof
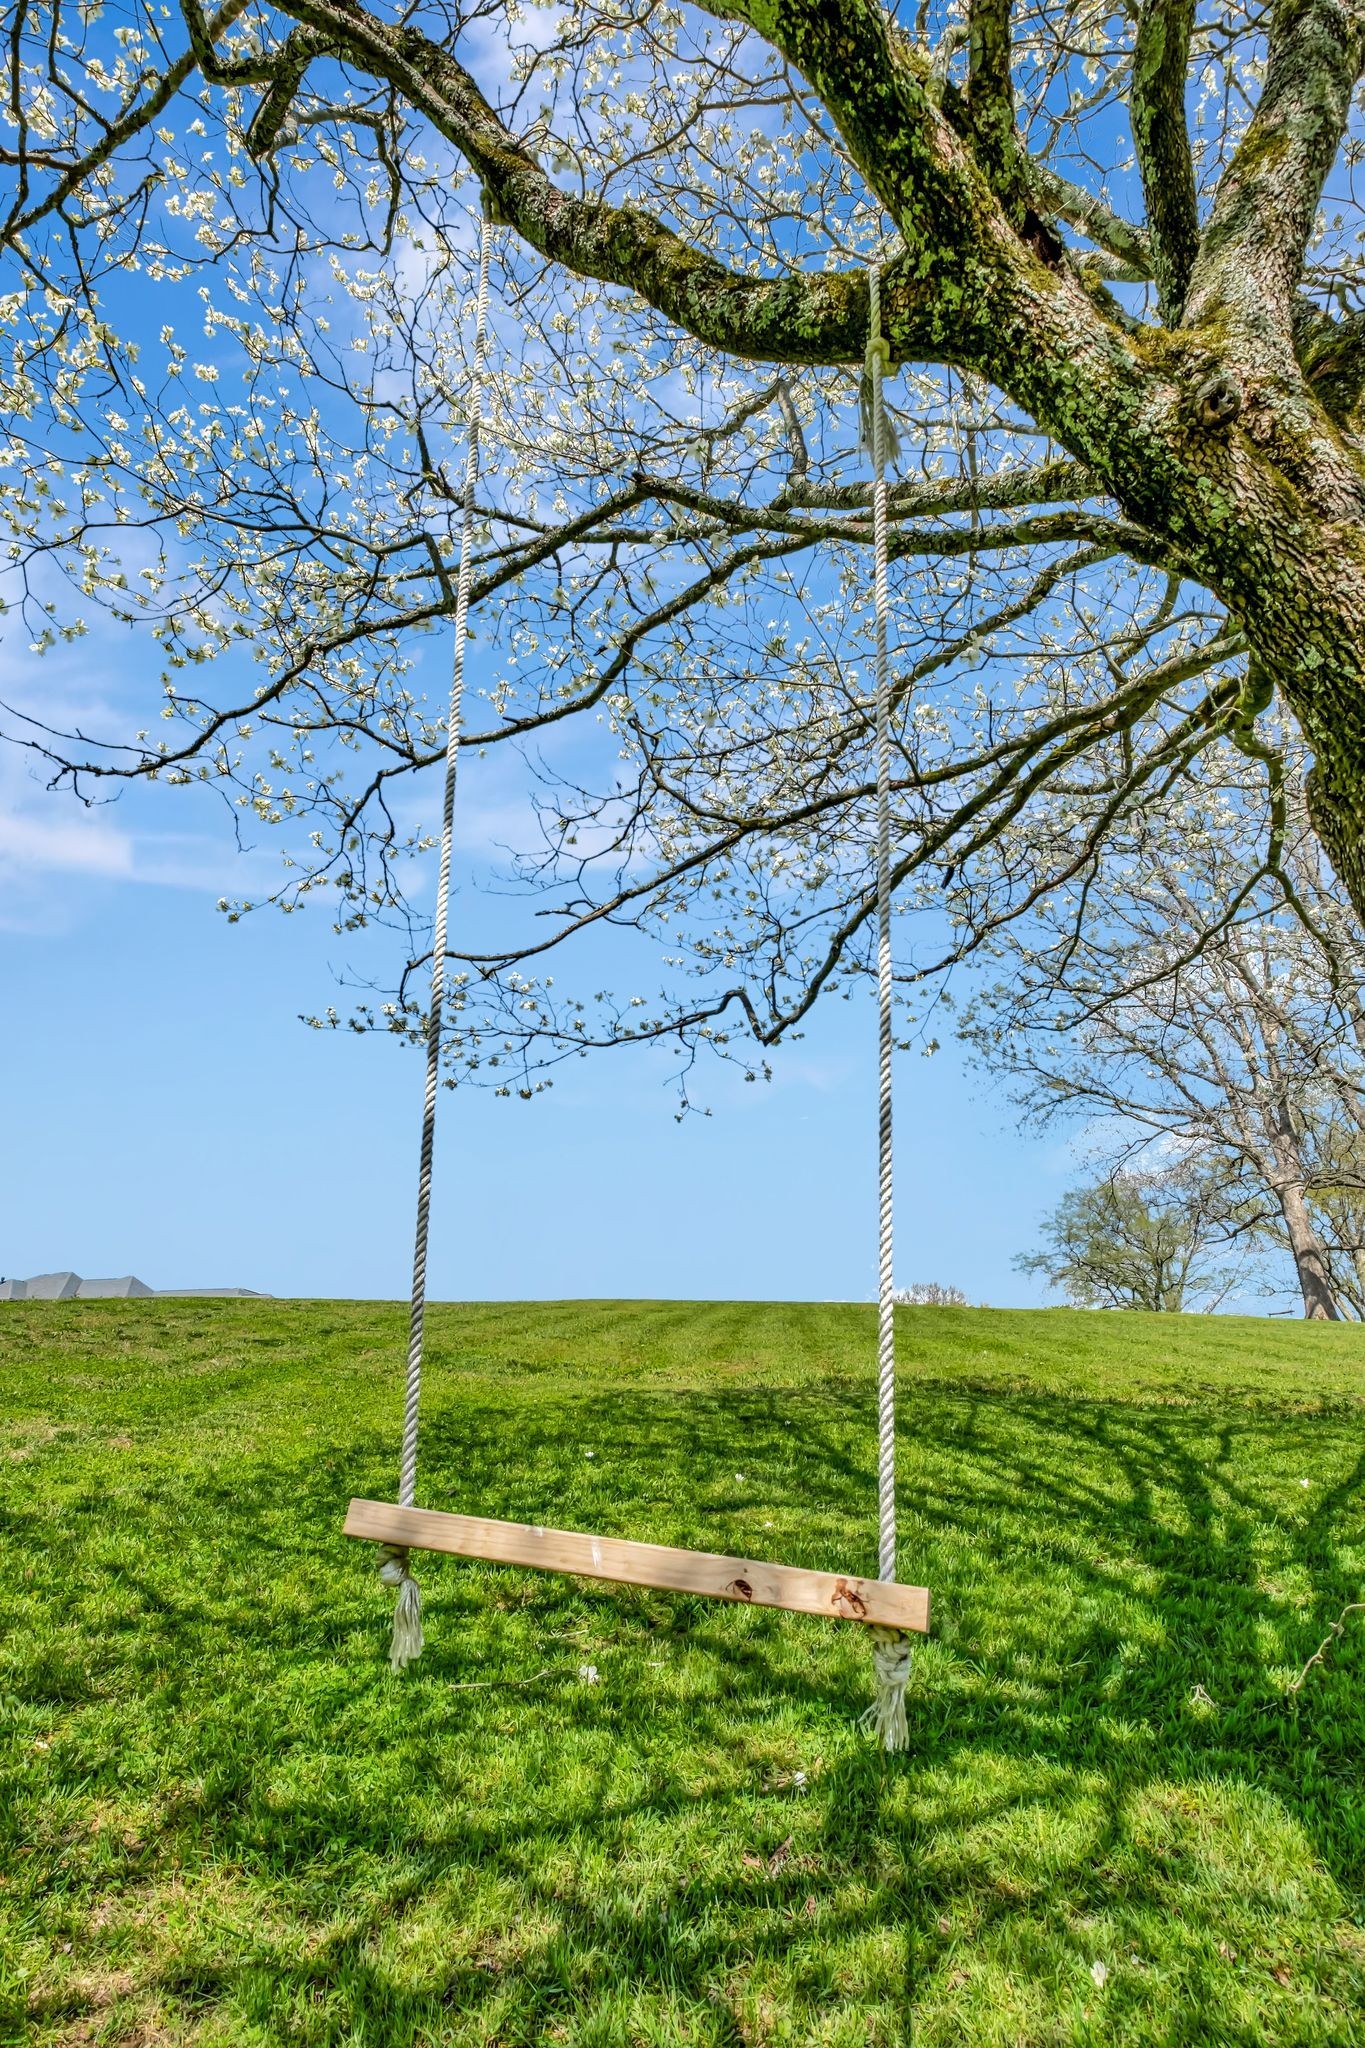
71	1287
45	1287
214	1293
109	1290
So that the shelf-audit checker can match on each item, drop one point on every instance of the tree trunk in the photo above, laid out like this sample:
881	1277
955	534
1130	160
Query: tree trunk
1310	1260
1310	1256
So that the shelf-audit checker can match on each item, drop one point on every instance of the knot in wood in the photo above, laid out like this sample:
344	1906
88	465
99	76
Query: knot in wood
1218	400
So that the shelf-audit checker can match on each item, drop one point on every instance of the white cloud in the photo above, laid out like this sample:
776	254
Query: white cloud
63	845
58	858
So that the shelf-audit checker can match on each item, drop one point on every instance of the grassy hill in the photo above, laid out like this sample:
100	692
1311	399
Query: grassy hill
602	1817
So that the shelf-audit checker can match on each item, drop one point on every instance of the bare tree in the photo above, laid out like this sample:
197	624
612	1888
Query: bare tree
1244	1044
1335	1196
1138	444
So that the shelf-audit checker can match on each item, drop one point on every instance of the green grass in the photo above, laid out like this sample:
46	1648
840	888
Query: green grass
221	1821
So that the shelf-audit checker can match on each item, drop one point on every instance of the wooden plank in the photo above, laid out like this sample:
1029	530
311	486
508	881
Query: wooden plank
643	1564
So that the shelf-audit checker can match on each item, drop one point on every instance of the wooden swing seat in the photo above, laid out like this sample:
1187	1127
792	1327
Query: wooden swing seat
878	1601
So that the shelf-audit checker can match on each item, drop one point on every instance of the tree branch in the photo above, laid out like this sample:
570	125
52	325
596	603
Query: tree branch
876	88
990	86
807	318
1332	355
1251	257
135	117
1043	483
1087	213
1161	57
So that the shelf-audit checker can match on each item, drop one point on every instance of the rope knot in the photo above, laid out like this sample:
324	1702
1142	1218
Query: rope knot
878	436
395	1570
879	346
891	1670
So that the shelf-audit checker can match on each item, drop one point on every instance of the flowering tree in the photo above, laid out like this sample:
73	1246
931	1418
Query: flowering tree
1129	515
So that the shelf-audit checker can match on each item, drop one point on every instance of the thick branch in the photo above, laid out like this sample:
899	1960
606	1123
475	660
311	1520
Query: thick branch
1252	255
804	319
968	289
877	88
1332	355
1085	211
1161	58
990	86
1043	483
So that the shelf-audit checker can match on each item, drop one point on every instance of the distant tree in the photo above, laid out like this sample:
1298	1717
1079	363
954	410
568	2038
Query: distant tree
1245	1044
929	1294
1143	1241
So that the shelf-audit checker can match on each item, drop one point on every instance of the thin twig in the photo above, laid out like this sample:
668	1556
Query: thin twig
1338	1628
479	1684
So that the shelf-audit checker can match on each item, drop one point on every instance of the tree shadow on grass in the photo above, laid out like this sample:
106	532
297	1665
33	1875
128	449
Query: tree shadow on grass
1111	1602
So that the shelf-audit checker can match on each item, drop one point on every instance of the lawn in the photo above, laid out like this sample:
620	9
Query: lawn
601	1817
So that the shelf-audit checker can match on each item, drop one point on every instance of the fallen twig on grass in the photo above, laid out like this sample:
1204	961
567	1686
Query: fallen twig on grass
1338	1628
482	1684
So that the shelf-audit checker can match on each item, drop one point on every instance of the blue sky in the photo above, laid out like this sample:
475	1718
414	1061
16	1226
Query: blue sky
167	1114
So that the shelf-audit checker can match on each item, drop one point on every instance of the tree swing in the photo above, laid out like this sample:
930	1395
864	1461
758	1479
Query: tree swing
890	1611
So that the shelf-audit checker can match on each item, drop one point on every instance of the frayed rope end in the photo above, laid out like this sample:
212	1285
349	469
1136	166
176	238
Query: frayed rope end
395	1571
891	1667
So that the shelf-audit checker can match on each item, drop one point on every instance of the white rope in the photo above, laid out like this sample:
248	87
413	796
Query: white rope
891	1651
395	1568
406	1645
885	1718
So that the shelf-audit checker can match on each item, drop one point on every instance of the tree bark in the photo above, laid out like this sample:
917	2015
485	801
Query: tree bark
1160	72
1310	1258
1319	1302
